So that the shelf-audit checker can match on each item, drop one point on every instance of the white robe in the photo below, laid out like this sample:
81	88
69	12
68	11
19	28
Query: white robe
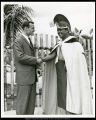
79	97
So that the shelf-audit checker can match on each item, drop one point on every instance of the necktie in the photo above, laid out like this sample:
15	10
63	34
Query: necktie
30	42
31	46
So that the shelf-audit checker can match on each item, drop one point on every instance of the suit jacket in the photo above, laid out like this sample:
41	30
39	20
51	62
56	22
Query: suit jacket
25	61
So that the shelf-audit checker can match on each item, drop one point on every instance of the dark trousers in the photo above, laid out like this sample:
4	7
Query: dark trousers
26	96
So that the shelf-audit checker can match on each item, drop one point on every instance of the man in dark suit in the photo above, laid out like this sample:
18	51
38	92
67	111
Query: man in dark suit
26	62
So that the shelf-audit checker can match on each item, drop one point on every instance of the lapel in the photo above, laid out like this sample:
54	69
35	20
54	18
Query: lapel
27	42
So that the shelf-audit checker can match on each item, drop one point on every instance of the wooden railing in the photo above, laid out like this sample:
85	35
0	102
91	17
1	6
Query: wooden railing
88	49
42	44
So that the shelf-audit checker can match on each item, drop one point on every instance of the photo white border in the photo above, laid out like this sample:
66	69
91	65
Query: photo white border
2	71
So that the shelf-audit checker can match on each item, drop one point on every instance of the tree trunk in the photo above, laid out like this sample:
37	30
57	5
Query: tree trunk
12	61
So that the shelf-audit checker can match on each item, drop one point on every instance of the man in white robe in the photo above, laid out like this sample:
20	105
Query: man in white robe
78	92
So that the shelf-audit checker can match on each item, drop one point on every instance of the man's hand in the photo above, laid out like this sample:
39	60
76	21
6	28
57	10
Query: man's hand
39	61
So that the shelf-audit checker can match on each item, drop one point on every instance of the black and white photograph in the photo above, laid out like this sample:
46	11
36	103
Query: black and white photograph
47	59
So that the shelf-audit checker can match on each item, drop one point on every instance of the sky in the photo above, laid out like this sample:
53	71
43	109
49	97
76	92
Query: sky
80	14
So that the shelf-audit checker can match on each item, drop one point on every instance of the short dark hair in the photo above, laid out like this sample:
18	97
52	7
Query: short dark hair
26	24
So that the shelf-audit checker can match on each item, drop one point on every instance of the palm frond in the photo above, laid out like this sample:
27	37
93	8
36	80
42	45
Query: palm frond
91	31
28	9
8	9
14	15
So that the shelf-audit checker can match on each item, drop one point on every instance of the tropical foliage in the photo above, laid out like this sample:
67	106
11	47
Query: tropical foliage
13	16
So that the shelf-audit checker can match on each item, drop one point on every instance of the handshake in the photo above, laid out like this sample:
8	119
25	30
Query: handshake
39	60
45	58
